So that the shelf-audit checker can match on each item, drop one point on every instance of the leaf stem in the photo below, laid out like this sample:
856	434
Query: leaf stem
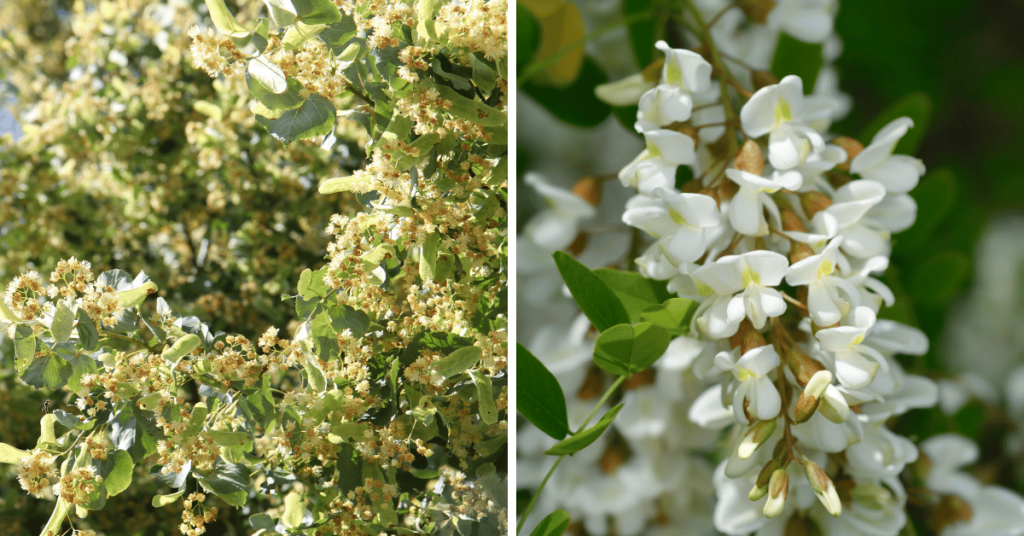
600	403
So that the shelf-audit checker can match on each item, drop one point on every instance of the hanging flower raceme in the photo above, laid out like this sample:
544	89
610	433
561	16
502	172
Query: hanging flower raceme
781	252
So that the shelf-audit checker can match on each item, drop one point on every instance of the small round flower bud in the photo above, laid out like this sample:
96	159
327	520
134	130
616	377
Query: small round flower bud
589	189
764	79
852	148
801	526
757	10
752	339
833	405
778	489
791	222
750	158
754	438
814	202
799	251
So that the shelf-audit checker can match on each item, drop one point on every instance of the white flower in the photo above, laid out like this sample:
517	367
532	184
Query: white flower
856	364
677	220
557	226
824	303
778	111
751	371
746	210
753	273
898	173
807	20
655	167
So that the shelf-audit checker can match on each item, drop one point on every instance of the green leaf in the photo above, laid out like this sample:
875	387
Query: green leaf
282	12
268	74
385	510
640	31
624	349
576	104
472	110
485	395
939	277
553	525
24	345
51	371
311	284
427	11
226	438
483	75
350	183
315	374
9	454
46	429
793	56
87	332
287	100
121	476
69	420
293	509
459	360
316	117
163	500
317	11
228	481
181	348
7	313
196	419
224	20
539	397
636	292
580	440
918	107
60	511
63	321
428	257
299	33
673	315
593	296
134	297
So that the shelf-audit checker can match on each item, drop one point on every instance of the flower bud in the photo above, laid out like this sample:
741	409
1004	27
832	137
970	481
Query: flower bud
589	189
833	405
686	129
838	180
750	158
613	457
727	189
757	10
823	487
814	202
764	79
952	509
578	244
872	496
801	526
752	339
852	148
791	222
799	251
764	477
803	366
754	438
778	489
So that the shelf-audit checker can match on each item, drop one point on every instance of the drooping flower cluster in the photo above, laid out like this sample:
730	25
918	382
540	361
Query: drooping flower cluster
781	252
780	230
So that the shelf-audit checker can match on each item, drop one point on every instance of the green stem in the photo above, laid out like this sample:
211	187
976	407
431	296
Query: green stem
136	342
535	68
600	404
723	79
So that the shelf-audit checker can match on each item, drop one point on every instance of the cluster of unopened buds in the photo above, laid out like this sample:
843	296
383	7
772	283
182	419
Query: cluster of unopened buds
781	253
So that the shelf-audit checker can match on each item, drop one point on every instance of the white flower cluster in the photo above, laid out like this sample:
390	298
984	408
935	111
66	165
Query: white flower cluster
781	257
780	240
